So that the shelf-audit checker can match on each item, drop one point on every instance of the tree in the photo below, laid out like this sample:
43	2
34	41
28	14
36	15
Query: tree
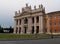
11	29
1	29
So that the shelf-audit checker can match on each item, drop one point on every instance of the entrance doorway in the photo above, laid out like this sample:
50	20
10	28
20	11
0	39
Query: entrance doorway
25	30
32	29
37	29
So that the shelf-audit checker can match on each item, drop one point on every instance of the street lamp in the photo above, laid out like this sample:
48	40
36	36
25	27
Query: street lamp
51	34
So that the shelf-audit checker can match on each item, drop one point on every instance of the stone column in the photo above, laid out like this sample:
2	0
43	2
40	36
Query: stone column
35	25
22	26
18	27
39	24
29	30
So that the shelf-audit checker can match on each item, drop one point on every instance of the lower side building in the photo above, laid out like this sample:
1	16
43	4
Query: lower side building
53	22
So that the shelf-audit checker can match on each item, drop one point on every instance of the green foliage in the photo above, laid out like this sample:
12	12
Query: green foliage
2	36
22	36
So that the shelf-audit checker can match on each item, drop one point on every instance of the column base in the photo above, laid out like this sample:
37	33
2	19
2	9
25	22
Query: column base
41	32
14	32
28	32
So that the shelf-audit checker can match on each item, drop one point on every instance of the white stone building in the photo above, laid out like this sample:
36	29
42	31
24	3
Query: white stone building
29	21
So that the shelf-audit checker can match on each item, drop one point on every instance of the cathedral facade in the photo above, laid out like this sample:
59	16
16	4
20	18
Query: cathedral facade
29	21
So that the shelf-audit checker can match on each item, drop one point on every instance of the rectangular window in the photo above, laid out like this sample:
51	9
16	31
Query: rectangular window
16	22
50	24
50	17
19	29
55	17
32	19
59	23
37	19
55	30
45	30
20	21
32	29
25	20
54	23
59	16
25	30
51	30
37	29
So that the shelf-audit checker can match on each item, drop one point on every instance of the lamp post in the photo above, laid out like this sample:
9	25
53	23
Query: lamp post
51	34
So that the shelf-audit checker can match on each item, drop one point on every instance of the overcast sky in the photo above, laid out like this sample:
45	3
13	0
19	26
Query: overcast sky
8	7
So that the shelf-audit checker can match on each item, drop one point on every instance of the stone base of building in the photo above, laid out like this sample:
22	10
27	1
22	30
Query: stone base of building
55	33
52	33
